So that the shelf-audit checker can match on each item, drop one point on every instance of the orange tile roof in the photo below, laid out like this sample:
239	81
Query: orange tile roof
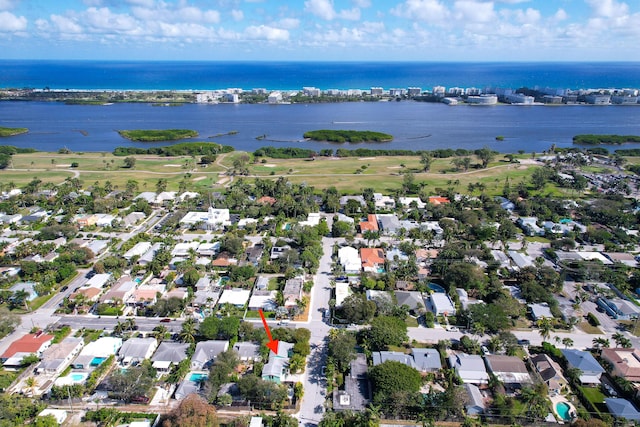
264	200
438	200
371	224
90	293
371	256
29	343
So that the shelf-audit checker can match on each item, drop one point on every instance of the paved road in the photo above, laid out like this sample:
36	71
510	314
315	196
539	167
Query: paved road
315	387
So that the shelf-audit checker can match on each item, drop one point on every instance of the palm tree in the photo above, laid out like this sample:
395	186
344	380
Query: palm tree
600	343
160	332
567	342
30	385
544	327
188	332
618	338
130	324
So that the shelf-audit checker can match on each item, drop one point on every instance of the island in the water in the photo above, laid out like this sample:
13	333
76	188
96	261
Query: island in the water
157	135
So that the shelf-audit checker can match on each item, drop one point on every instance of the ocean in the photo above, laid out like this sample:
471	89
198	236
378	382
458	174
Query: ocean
183	75
414	125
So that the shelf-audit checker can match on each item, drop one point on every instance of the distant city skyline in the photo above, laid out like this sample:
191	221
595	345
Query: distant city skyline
321	30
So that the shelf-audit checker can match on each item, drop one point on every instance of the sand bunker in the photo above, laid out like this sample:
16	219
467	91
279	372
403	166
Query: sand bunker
63	166
366	158
222	180
269	165
200	178
172	166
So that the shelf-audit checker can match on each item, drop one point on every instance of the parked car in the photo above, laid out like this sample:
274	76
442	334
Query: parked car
524	342
64	288
139	399
165	320
452	328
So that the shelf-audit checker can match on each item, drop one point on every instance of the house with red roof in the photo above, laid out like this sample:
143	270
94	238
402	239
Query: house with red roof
438	200
26	345
371	224
372	259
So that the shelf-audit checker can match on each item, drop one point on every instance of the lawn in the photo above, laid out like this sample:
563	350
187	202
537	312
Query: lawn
589	329
350	175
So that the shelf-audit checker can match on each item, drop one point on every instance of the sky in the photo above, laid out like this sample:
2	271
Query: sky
322	30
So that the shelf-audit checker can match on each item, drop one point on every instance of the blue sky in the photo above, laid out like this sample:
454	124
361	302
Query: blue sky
328	30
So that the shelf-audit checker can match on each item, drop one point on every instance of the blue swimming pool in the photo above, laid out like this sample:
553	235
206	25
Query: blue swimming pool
97	361
436	288
563	409
197	377
78	377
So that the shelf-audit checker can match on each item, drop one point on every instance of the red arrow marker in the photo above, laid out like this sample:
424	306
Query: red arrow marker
272	344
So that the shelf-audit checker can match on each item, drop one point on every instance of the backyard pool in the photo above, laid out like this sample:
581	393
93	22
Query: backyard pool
563	409
97	361
436	288
73	378
197	377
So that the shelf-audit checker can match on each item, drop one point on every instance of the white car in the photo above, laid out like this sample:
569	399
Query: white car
452	328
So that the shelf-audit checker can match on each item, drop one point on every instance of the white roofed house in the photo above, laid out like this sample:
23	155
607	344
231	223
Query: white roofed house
510	370
265	300
169	353
349	259
441	304
213	219
342	292
236	296
138	250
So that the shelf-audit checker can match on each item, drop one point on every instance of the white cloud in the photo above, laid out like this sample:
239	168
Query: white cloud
473	11
104	20
289	23
430	11
362	3
321	8
66	25
264	32
237	14
10	23
560	15
143	3
608	8
7	4
324	9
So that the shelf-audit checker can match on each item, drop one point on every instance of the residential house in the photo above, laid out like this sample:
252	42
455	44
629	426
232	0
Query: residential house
380	357
540	311
441	304
184	249
84	220
625	362
120	292
590	369
56	358
275	370
132	219
389	224
137	250
550	372
411	299
96	352
60	415
98	281
89	294
383	202
470	367
278	251
146	294
345	199
104	220
213	219
149	196
169	353
292	291
265	300
28	287
426	359
619	308
371	224
237	297
530	226
357	389
475	402
248	351
349	259
521	260
438	200
408	201
149	255
208	249
164	198
261	283
206	353
135	350
372	259
343	290
510	370
622	408
24	346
